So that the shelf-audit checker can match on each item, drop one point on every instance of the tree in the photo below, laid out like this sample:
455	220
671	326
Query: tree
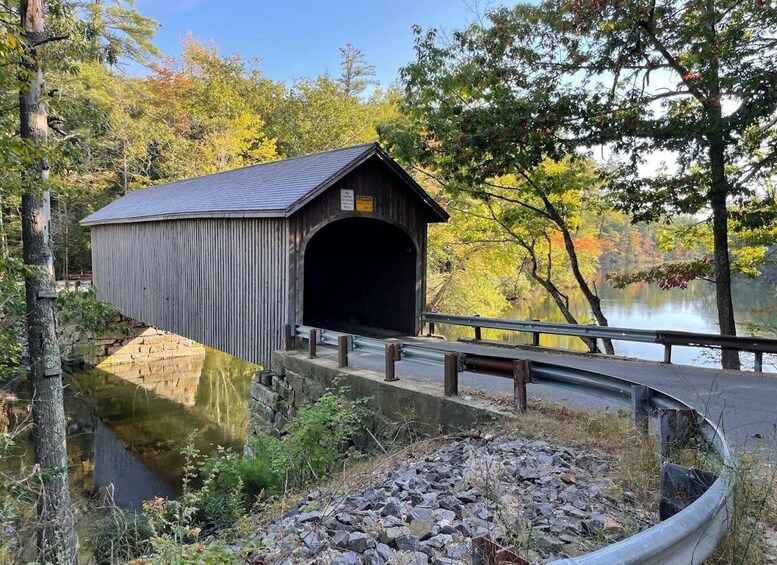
357	74
56	532
693	80
92	30
475	127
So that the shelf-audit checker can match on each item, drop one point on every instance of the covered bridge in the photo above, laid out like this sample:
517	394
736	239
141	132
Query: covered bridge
334	240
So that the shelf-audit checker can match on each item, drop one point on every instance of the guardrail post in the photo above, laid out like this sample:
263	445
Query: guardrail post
521	376
430	333
478	335
312	344
342	351
397	352
759	362
535	339
675	429
640	408
390	360
287	338
668	353
451	366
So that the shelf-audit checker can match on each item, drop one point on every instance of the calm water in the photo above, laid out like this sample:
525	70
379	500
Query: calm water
128	424
647	306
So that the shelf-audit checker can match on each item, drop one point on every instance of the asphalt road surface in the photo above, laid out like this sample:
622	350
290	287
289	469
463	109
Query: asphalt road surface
743	404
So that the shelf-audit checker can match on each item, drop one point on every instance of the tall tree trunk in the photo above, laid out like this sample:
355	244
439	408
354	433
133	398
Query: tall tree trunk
718	194
56	534
729	358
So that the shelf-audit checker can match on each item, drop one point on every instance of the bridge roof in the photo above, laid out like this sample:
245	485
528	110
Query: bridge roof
275	189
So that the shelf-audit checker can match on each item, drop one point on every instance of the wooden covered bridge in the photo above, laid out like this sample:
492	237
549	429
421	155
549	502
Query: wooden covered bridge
334	239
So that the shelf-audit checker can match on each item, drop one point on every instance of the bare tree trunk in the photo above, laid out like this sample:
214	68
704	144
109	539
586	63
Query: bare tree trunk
56	534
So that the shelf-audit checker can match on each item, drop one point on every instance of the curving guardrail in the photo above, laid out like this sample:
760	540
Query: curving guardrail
687	537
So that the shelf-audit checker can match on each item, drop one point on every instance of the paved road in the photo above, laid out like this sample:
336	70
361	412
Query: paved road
744	404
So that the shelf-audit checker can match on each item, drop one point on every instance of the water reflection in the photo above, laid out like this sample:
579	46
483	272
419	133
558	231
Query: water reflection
647	306
129	423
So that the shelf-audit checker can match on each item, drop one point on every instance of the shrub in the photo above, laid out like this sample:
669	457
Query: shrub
314	441
93	316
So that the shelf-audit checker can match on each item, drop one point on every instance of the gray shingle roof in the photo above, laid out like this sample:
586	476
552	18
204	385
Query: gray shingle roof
273	189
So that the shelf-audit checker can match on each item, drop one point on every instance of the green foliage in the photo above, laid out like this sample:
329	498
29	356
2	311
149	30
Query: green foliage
12	308
313	442
92	315
120	537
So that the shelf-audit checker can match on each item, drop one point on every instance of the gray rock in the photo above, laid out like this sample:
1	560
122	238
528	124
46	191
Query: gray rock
406	543
439	541
384	551
360	542
421	529
308	516
340	539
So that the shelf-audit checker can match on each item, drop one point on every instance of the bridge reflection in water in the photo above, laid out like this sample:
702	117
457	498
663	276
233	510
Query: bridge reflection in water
130	423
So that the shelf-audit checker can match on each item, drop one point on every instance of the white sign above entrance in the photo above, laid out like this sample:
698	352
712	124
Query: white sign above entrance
346	200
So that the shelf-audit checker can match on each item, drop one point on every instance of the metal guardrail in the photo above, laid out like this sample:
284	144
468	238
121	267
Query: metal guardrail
687	537
667	338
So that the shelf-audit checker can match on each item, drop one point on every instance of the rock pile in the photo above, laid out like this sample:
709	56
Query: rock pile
547	501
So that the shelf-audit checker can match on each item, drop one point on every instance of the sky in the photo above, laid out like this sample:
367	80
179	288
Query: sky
296	38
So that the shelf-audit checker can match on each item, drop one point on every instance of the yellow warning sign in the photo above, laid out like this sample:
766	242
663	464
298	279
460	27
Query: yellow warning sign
364	203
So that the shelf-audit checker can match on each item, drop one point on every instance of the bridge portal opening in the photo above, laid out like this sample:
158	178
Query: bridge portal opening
360	276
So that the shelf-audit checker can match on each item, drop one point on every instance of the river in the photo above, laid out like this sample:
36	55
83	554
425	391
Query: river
647	306
128	424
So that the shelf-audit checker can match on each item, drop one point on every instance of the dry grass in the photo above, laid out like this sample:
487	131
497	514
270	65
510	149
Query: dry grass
634	457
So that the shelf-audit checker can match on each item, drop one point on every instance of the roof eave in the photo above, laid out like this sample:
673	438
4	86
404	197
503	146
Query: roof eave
229	214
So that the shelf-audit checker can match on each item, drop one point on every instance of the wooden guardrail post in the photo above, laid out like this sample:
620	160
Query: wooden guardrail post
390	360
312	344
521	376
287	338
451	367
535	337
640	408
759	362
342	351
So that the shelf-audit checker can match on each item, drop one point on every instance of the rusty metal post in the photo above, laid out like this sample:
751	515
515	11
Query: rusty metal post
521	376
390	373
640	408
312	344
342	351
478	336
451	367
397	352
287	338
535	339
759	362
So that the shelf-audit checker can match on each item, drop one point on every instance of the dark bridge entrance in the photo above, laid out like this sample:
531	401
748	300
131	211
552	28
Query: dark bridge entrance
360	273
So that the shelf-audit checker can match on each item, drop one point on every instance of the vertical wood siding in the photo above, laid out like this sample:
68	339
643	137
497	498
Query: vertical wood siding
221	282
